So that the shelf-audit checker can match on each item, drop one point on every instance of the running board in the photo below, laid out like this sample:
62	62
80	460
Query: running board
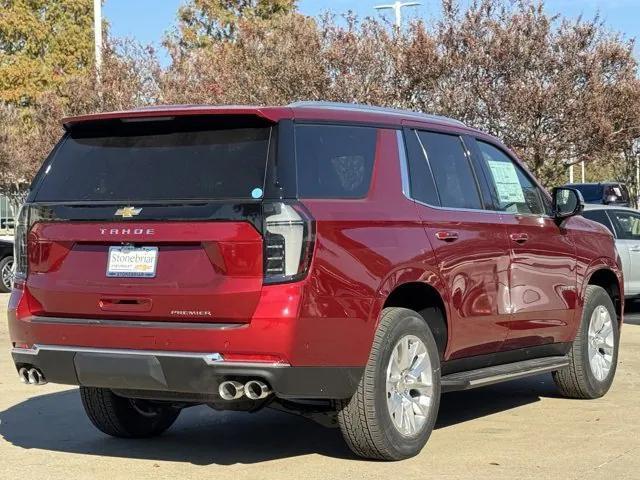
501	373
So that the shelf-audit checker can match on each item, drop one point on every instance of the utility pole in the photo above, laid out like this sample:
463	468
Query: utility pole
97	35
582	168
397	8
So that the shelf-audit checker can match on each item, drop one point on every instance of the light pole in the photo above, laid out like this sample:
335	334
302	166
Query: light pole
97	35
397	8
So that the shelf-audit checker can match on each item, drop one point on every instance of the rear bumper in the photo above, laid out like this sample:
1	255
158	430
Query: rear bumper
198	374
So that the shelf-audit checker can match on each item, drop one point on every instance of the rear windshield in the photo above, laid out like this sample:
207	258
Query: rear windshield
590	193
155	161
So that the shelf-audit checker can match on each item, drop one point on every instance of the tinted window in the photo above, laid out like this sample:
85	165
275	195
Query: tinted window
590	193
456	183
618	193
167	161
423	187
599	216
515	190
627	224
334	161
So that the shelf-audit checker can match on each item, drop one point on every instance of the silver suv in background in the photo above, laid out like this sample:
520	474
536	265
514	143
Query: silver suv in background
624	223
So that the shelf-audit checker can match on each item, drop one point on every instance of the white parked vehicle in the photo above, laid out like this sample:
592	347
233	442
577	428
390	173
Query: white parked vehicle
624	223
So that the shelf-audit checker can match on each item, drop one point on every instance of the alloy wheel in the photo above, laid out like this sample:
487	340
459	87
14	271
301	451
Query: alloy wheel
601	343
7	274
409	385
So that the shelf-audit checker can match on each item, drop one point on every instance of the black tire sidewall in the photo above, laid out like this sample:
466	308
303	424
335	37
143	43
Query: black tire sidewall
116	415
3	262
410	323
596	387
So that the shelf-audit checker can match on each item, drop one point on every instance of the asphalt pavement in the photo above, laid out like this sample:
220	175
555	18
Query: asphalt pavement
517	430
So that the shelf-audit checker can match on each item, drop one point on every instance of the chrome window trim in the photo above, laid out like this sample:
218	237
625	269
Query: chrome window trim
211	359
355	107
404	173
404	164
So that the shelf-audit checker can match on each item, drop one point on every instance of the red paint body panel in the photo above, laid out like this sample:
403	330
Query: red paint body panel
211	269
498	294
543	282
475	269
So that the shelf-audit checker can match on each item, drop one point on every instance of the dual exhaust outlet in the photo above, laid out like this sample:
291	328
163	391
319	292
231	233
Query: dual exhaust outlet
31	376
253	389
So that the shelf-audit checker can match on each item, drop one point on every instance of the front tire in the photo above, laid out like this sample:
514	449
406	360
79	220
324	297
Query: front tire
594	353
394	409
124	417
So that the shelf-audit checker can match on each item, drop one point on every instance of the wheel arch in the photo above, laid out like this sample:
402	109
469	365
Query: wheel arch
609	278
428	301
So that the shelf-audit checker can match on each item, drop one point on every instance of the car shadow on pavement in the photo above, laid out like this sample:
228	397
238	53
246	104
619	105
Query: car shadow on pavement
201	436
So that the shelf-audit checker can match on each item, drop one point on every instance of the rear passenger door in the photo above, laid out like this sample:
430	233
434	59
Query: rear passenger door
542	273
470	242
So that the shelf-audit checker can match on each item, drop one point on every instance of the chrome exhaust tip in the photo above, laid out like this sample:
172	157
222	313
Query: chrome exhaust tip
24	375
35	377
231	390
256	390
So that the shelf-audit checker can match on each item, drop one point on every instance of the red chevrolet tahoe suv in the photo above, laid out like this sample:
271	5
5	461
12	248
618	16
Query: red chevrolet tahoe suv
344	262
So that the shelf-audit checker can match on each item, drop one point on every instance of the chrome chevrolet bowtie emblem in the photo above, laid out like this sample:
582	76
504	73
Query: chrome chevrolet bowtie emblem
128	212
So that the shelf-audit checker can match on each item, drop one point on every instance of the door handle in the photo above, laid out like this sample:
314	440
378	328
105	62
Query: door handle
447	236
519	237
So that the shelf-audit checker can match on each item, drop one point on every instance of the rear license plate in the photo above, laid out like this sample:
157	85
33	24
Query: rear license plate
137	262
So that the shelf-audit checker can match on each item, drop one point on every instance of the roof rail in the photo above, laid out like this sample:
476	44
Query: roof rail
357	107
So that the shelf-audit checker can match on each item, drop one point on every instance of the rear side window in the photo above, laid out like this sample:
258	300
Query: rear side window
599	216
451	170
627	224
334	161
616	193
155	161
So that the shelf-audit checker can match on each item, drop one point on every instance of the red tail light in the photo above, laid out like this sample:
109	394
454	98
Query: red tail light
289	234
20	244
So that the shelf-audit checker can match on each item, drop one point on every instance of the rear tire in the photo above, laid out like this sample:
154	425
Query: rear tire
124	417
391	415
594	353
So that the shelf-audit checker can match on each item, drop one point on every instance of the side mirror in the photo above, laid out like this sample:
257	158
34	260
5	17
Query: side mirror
567	202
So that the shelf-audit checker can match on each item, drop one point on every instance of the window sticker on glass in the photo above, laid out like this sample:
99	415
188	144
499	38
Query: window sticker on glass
505	177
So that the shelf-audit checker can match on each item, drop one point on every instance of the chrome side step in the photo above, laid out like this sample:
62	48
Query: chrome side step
501	373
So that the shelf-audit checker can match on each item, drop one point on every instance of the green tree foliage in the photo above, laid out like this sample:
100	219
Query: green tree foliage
556	91
42	43
202	22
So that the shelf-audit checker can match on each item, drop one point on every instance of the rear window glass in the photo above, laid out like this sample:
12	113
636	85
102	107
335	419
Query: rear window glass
334	161
158	161
599	216
590	193
451	169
